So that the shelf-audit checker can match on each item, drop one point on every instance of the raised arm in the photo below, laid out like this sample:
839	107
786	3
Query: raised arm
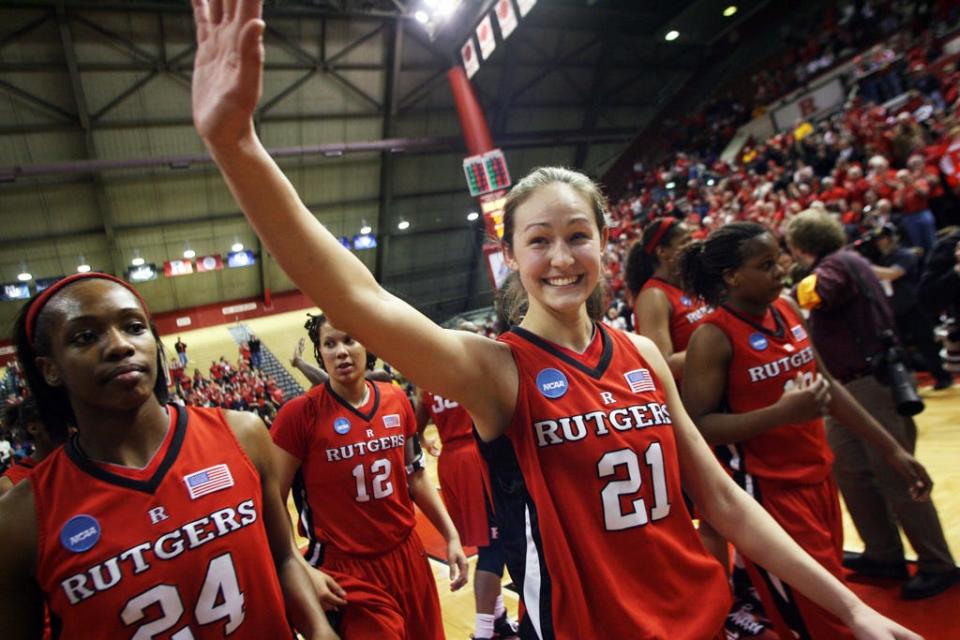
227	82
315	375
740	519
705	381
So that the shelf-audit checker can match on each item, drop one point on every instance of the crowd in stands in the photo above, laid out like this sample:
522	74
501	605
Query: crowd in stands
242	387
885	171
871	34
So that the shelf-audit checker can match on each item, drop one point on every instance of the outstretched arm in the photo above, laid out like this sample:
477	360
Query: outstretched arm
740	519
315	375
227	82
428	500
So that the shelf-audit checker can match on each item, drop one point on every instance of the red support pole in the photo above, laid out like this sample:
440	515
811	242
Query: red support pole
473	124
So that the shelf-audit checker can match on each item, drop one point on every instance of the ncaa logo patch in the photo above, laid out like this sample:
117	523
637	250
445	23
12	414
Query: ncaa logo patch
686	301
80	533
552	383
341	426
758	341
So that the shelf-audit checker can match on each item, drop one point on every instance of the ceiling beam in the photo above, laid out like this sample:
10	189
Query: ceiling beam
83	114
394	56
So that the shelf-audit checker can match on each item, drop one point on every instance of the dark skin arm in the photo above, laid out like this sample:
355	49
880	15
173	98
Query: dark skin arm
423	418
300	596
21	603
705	382
317	376
652	311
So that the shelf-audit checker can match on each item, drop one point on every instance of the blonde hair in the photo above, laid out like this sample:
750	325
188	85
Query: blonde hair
816	232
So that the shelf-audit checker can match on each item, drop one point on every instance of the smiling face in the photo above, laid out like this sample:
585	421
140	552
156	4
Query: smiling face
759	279
557	247
101	348
342	357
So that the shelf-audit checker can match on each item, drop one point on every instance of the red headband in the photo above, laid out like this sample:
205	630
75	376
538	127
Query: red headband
663	225
40	301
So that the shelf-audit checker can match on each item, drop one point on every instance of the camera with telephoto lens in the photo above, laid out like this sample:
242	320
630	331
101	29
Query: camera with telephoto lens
888	367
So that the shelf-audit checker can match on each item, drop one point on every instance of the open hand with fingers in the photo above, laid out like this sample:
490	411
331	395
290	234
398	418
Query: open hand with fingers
228	69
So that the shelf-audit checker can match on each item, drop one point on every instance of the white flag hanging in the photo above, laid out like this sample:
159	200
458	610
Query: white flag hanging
485	37
470	61
506	18
525	6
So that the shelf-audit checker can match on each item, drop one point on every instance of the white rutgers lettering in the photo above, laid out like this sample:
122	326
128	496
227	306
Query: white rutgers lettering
376	445
782	365
137	559
574	428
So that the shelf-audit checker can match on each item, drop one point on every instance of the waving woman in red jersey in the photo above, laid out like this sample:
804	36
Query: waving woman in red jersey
593	415
349	448
152	520
754	384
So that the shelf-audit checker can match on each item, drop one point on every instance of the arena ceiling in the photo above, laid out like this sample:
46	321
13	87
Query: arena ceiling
99	162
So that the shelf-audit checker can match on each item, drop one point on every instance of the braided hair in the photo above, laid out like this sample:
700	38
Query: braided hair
312	325
704	262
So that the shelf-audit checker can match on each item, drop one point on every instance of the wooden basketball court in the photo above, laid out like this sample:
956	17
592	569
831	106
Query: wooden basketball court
938	449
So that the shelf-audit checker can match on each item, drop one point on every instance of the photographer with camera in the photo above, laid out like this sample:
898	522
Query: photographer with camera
898	269
852	327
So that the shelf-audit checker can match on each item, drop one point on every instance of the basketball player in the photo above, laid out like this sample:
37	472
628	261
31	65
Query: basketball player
151	519
25	419
668	315
593	415
352	445
466	494
663	312
754	383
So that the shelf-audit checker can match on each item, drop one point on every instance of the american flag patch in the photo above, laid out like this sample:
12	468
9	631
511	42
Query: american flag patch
640	380
209	480
798	332
391	421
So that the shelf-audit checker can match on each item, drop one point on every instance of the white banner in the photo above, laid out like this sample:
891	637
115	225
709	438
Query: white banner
506	18
239	308
485	37
471	63
824	99
526	6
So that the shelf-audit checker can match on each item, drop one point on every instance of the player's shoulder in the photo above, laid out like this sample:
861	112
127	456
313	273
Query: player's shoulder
18	526
251	433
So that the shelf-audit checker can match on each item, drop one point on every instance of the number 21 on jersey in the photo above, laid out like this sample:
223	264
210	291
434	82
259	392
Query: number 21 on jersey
614	517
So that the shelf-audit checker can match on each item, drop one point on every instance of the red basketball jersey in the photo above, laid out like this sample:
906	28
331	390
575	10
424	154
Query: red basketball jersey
453	422
175	550
20	470
686	312
764	365
609	544
352	492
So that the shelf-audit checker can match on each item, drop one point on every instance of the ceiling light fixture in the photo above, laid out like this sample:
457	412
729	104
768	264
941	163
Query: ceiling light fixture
403	225
473	215
24	276
236	246
365	229
671	35
83	268
729	11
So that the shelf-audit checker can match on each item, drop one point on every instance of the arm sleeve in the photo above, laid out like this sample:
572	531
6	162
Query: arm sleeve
291	427
834	286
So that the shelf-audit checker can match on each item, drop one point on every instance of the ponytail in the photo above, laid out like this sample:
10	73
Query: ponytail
703	263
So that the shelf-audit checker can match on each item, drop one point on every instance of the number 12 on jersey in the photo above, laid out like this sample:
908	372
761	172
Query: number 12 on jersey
614	518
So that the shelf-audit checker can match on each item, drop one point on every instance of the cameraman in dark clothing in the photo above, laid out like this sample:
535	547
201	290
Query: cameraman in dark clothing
940	282
848	316
900	268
